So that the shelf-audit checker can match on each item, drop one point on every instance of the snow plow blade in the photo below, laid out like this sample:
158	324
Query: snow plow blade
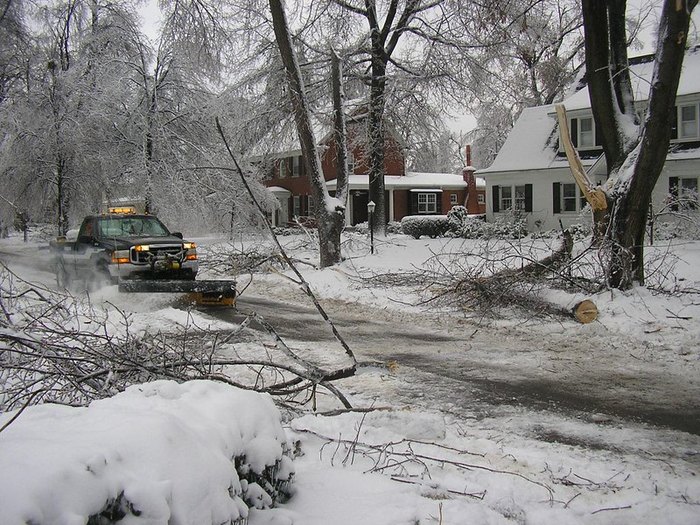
206	293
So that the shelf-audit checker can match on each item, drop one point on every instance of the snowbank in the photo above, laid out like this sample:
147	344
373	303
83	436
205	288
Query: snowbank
162	452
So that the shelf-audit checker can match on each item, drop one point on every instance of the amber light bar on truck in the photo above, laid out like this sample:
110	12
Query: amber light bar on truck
122	210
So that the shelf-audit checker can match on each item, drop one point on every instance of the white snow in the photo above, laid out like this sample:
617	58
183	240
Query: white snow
406	462
168	448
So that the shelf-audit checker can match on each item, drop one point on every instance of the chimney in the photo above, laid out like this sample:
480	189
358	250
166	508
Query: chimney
471	202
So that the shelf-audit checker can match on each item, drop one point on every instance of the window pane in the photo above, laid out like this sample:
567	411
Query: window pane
586	133
569	197
506	197
689	121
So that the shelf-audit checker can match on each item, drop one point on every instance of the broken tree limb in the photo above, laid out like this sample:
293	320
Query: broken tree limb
594	195
585	311
302	282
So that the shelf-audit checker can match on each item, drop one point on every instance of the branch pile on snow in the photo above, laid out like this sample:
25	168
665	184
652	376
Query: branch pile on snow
199	452
57	348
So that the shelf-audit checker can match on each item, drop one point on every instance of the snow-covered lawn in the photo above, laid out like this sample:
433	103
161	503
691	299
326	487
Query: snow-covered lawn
403	463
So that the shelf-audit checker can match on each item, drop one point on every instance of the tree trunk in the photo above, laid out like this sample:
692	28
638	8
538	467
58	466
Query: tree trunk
330	213
375	135
634	163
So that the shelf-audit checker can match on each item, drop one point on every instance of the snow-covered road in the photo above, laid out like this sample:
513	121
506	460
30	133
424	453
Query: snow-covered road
501	372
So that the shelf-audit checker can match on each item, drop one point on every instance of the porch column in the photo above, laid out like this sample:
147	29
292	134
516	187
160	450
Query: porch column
391	206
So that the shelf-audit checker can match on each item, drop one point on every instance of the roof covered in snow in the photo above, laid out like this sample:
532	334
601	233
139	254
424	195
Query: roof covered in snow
534	140
412	180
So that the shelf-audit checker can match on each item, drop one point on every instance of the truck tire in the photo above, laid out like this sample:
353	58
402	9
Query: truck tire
98	278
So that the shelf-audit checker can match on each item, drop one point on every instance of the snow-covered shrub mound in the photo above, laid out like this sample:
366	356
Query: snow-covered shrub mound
506	226
430	225
162	452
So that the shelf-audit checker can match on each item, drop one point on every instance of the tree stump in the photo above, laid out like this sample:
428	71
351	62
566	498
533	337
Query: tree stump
585	311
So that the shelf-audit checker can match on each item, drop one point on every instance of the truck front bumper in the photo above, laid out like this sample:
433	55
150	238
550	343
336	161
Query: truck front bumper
186	270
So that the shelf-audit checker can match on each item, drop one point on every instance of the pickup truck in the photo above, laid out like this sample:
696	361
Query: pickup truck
115	247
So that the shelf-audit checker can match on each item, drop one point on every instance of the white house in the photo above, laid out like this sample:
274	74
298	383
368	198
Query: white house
531	175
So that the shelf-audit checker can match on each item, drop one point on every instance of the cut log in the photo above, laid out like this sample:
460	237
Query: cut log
585	311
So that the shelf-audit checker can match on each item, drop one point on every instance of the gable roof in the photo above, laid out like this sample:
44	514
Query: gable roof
533	142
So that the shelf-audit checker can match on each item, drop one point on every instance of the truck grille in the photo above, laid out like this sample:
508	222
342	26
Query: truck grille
158	252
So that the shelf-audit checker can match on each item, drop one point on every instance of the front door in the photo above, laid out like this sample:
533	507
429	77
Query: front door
359	207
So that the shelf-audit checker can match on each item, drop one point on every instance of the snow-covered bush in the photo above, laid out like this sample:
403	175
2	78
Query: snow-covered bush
430	225
391	227
162	452
683	224
506	226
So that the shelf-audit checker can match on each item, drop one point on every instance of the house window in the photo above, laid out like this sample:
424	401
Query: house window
520	198
689	193
296	209
282	168
427	203
311	206
506	197
584	133
453	199
567	198
586	137
515	198
688	122
351	163
296	166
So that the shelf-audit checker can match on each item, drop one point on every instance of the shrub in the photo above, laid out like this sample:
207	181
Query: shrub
430	225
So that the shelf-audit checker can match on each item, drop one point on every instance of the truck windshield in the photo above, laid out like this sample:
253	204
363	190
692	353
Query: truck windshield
131	227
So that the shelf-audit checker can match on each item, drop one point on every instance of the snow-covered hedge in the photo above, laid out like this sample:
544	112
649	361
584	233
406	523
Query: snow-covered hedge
430	225
162	452
507	226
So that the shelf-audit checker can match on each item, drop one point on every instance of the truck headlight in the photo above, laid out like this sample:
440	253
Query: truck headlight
191	251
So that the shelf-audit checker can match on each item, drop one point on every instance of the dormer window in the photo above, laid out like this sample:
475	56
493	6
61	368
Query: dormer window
586	136
688	120
584	133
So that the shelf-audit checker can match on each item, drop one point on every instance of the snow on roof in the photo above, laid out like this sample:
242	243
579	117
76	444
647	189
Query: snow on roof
531	144
411	180
640	75
528	145
279	189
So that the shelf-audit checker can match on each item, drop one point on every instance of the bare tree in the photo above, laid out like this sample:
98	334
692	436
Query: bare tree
635	154
330	211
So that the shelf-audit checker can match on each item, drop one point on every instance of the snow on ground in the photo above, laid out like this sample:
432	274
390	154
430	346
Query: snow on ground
444	465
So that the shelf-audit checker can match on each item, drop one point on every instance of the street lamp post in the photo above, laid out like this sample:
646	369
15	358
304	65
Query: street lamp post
370	211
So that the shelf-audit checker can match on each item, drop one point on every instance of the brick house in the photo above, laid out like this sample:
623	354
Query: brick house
407	193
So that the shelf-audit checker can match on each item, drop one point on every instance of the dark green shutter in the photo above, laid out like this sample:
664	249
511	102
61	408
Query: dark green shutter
438	202
556	197
528	198
574	132
496	197
413	203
